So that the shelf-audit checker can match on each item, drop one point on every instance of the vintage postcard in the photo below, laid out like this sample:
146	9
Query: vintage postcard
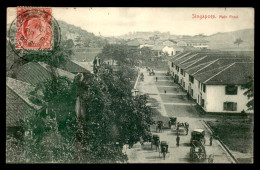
129	85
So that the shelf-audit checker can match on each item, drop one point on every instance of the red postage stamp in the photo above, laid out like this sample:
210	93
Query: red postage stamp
34	28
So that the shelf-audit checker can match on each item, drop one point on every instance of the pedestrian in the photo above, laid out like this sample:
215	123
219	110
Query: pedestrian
165	91
178	140
156	78
210	140
141	140
211	158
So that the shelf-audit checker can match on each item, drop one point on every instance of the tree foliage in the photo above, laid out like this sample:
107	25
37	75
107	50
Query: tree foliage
249	92
113	118
238	41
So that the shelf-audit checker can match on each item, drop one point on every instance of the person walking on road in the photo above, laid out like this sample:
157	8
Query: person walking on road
156	78
165	91
178	140
210	140
211	158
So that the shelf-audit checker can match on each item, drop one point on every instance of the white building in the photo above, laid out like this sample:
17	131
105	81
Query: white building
196	43
172	50
214	80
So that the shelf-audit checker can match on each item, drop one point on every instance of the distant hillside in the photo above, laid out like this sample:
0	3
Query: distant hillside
80	37
225	40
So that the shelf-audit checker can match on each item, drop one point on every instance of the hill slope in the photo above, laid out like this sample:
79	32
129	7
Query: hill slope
225	41
80	37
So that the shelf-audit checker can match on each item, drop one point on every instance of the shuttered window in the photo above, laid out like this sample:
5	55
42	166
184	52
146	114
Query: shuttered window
231	90
204	88
191	78
181	71
230	106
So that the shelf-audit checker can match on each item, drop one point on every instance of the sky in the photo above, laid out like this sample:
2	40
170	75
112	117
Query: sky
177	21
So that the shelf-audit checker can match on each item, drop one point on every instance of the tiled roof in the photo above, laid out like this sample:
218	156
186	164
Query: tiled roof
59	71
134	42
238	73
185	59
194	69
176	56
193	40
74	67
208	74
223	61
180	56
33	73
87	65
192	61
158	47
22	89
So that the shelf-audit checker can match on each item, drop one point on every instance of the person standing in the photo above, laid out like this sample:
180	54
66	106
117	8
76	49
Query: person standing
178	140
210	140
156	78
165	91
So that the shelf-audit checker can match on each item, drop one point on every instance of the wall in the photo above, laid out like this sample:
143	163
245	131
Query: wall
216	97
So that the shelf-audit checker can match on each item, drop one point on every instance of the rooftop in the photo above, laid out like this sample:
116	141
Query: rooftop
134	43
237	73
35	73
22	89
158	47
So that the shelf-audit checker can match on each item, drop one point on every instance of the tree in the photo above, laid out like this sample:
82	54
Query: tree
50	134
238	41
112	116
249	87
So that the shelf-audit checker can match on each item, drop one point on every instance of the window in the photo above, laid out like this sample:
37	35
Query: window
183	84
231	90
172	64
184	73
191	78
177	68
202	102
199	85
204	88
181	71
230	106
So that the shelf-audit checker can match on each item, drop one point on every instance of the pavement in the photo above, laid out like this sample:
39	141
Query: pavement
173	103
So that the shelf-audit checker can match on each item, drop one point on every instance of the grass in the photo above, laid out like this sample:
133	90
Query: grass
237	133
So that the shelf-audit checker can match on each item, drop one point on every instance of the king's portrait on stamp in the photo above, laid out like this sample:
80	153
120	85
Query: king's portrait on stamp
129	85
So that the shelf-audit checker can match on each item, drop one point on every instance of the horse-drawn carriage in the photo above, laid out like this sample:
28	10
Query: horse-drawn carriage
198	135
181	128
159	126
173	121
151	73
197	151
155	141
164	149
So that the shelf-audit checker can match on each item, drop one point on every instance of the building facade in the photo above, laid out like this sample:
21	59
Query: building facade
214	80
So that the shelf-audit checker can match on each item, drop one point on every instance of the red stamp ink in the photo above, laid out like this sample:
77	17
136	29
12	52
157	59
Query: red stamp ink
34	28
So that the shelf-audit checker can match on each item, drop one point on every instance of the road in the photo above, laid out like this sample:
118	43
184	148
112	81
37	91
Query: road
173	103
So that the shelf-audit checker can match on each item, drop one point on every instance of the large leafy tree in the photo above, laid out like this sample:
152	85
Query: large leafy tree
249	92
238	41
